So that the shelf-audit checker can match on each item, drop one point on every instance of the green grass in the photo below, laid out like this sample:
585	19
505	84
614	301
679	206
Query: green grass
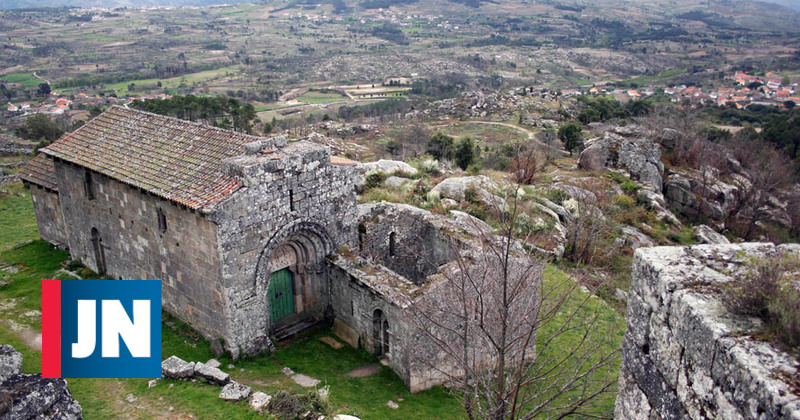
17	223
25	79
661	77
362	397
490	133
171	83
315	97
608	334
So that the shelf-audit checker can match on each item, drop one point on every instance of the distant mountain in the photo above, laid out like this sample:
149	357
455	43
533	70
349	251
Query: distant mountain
792	4
20	4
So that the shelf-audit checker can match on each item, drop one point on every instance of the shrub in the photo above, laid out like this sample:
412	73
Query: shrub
630	187
464	153
471	194
623	201
769	292
286	406
430	166
557	195
375	179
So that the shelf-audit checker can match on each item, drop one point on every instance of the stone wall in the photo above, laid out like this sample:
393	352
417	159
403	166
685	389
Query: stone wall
402	238
293	199
184	256
356	293
47	207
684	355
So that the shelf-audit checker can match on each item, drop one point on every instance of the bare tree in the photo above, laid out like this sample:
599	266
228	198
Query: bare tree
527	161
413	139
513	346
588	231
764	173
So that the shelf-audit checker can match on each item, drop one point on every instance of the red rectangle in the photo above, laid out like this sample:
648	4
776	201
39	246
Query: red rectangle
51	328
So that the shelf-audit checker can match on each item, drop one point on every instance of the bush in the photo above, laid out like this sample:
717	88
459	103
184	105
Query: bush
623	202
286	406
769	293
630	187
471	194
557	196
465	153
374	179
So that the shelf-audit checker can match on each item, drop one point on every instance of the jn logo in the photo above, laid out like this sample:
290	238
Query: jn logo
123	317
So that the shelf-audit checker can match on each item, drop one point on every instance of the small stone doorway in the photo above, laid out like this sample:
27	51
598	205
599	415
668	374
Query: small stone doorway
281	295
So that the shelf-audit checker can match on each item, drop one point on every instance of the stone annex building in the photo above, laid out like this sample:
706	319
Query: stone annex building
250	236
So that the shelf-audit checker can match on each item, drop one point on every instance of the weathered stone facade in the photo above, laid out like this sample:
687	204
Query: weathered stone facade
47	208
294	210
684	355
117	233
248	235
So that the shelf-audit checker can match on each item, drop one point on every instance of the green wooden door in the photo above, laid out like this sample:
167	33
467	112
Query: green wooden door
281	295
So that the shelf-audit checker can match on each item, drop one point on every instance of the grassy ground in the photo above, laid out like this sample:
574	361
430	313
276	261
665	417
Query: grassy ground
657	79
314	97
488	133
25	79
17	223
171	83
23	266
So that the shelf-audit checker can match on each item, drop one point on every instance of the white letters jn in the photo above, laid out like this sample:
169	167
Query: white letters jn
116	323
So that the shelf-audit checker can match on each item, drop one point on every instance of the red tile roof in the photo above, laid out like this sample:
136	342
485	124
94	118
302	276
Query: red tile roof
171	158
39	171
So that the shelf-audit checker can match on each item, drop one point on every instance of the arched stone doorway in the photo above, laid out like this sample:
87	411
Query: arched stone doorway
291	275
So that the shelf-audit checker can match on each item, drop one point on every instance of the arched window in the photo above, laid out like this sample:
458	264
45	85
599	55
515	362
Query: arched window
162	220
377	331
99	254
88	185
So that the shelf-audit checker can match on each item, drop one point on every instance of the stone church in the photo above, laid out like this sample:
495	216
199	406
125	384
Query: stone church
251	237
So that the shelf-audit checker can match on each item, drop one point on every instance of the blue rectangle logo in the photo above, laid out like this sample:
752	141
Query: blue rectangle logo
101	328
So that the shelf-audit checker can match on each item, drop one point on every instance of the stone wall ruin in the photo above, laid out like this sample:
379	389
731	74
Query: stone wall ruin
685	356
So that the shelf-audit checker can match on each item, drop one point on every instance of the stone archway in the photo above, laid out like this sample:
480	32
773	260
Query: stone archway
291	273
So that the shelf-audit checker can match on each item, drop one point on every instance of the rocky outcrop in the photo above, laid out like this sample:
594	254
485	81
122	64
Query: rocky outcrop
625	148
25	397
706	235
388	167
699	194
655	201
459	188
10	362
685	356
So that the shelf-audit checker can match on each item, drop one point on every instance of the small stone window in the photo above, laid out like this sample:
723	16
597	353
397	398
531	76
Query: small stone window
291	200
392	244
162	220
88	185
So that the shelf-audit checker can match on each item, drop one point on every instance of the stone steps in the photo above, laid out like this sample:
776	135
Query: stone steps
291	329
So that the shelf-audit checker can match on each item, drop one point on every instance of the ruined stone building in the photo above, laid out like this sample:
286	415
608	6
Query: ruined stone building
249	236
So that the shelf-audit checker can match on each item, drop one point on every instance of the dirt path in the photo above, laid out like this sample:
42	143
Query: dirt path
531	135
41	78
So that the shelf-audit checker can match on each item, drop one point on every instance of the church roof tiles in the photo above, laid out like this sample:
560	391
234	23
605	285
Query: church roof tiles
39	171
171	158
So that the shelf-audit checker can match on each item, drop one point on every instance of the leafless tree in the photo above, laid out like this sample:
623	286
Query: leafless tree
512	345
765	171
413	140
